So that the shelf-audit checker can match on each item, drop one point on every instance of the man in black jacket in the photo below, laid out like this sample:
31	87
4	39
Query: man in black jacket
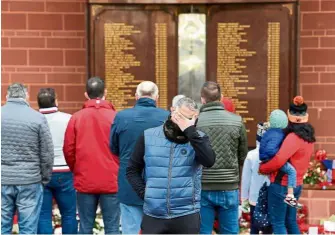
172	156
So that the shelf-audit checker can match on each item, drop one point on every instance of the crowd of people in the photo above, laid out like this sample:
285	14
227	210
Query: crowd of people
151	170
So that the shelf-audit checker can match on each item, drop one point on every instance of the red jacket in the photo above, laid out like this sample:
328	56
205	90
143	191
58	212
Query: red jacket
296	150
86	148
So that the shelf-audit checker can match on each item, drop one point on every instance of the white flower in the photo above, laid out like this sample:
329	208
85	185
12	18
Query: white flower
56	212
95	231
318	170
100	222
58	231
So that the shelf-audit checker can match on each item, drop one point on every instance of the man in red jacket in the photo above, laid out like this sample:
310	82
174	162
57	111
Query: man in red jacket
95	168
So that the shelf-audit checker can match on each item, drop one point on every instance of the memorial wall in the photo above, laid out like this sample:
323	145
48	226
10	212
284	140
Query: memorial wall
249	49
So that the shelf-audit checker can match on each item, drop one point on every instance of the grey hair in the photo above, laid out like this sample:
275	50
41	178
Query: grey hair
176	99
147	88
188	102
17	90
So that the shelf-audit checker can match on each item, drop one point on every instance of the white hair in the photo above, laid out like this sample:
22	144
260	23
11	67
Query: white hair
147	89
17	90
188	102
176	99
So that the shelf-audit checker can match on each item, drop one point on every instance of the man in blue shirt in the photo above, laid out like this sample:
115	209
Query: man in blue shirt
128	125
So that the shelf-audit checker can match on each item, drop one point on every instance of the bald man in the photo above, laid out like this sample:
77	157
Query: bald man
128	125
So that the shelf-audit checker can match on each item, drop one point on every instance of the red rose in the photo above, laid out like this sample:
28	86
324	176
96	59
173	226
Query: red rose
320	155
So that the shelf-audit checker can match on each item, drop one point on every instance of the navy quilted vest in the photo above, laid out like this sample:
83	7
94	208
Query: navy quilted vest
173	177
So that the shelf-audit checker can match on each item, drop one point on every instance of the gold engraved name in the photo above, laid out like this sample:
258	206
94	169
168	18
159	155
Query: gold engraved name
273	67
161	64
230	67
119	83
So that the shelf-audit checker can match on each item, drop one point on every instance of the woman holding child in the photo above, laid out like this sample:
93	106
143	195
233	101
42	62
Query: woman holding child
297	149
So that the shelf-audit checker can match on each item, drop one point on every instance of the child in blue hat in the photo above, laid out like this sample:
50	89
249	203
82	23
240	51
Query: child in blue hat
270	145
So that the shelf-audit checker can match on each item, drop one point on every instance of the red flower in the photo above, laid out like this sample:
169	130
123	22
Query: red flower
320	155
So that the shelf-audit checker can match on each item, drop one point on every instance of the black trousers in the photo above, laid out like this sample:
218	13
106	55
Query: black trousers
188	224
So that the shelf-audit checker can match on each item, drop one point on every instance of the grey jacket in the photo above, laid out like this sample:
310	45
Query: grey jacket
228	137
27	152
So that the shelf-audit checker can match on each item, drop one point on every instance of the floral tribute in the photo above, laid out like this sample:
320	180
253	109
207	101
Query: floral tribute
316	173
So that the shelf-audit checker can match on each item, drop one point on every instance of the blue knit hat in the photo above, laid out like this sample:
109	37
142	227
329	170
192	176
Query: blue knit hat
278	119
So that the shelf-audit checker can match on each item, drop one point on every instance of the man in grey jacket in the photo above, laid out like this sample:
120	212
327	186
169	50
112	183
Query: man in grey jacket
220	183
26	161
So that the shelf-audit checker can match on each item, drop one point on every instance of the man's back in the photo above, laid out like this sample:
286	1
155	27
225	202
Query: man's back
129	124
227	134
86	148
26	145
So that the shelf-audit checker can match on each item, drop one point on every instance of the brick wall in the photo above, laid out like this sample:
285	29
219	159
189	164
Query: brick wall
43	45
317	68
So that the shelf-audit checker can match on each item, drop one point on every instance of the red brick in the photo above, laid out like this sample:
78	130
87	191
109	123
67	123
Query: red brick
5	78
323	121
64	78
309	6
81	70
319	104
320	139
327	77
26	6
13	57
64	34
4	6
330	32
7	69
34	89
330	103
327	5
28	78
319	32
82	34
75	57
74	22
306	33
64	43
27	69
318	21
317	208
4	42
13	21
330	148
27	42
331	68
45	57
8	33
332	207
46	69
46	34
320	69
3	92
27	33
305	193
45	22
318	56
306	69
330	139
318	92
64	69
327	42
75	93
309	78
306	42
63	7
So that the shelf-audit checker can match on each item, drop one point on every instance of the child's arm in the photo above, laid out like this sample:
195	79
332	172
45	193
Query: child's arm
287	150
246	179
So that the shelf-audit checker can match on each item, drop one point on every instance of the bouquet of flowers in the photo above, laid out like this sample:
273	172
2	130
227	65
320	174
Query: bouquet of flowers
316	175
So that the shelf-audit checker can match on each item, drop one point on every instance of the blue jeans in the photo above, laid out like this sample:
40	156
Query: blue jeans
226	203
110	209
61	188
27	200
131	218
282	216
291	174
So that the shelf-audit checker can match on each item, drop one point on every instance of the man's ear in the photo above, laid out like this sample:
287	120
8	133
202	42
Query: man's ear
136	96
105	94
56	103
203	101
86	96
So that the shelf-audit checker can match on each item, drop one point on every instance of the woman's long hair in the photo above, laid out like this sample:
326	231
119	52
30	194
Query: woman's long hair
303	130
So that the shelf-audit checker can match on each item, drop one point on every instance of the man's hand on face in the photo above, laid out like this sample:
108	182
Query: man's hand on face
182	121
